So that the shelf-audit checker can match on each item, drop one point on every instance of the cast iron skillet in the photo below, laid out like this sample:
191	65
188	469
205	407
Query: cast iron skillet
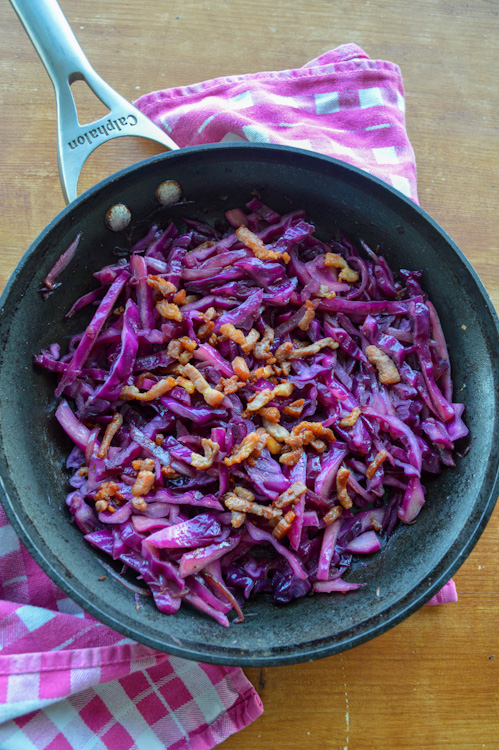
417	560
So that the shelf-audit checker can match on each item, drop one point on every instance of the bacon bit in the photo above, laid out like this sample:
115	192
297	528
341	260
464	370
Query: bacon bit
337	261
387	370
260	400
273	446
169	310
341	487
143	463
119	310
277	431
101	578
130	392
205	329
211	396
243	450
351	418
161	285
144	483
107	490
283	351
325	292
185	357
159	439
376	463
101	506
83	471
232	502
295	409
263	372
284	389
308	316
241	368
168	472
377	526
174	348
111	430
213	340
311	430
271	414
251	340
251	240
186	385
188	344
210	314
318	445
233	333
284	525
285	368
179	297
332	514
295	441
256	453
290	496
210	452
139	503
230	385
262	348
237	519
244	493
292	457
306	351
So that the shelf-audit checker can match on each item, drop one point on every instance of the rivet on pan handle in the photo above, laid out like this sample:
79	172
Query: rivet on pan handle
65	62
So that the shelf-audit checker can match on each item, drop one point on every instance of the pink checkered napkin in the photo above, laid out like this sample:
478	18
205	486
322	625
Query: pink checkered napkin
341	104
67	682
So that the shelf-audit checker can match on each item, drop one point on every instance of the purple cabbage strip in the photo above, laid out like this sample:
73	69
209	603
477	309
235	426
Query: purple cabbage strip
151	492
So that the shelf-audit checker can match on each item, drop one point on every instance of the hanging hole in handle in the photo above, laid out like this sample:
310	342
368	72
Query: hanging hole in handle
111	156
88	106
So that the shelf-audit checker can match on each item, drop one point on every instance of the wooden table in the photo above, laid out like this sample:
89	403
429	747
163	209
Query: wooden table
432	681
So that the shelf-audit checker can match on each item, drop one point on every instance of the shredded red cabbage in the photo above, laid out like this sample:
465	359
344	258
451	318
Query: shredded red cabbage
252	408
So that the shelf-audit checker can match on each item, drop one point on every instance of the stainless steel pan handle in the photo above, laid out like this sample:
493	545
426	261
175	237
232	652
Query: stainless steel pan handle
65	62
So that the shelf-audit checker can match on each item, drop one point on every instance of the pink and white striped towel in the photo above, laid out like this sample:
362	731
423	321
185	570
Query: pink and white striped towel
67	682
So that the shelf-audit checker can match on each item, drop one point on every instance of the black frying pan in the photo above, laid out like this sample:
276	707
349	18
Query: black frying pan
417	560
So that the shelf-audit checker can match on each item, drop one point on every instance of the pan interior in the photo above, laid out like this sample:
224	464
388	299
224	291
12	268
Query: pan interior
417	559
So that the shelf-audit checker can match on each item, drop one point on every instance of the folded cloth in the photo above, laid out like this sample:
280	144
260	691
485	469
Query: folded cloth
66	680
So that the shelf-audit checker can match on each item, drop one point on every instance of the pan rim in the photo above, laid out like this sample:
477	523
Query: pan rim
417	596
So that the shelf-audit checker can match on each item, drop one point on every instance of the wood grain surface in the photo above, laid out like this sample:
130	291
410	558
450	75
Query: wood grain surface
431	682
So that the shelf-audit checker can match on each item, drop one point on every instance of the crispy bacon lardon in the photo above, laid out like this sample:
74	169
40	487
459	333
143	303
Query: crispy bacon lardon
165	288
251	240
211	396
111	430
243	450
387	370
351	418
337	261
376	463
169	310
341	487
210	449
